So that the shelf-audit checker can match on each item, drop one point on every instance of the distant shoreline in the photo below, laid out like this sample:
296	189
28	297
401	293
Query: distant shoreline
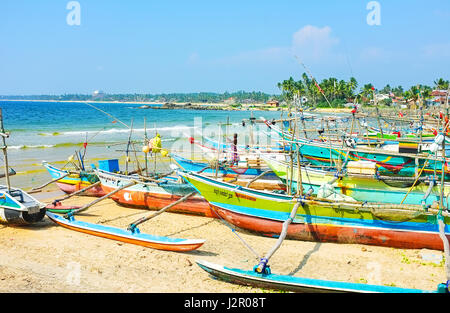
192	106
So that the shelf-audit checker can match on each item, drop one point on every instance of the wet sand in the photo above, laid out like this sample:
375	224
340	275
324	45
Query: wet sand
46	257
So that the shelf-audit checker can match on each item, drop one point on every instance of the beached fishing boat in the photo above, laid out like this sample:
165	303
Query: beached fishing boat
131	234
210	145
389	225
154	195
359	181
72	181
16	206
404	160
243	168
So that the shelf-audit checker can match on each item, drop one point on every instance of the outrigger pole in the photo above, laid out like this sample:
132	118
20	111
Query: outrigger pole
86	206
133	226
38	189
263	267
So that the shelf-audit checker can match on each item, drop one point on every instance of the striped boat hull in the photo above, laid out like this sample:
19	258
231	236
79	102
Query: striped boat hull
153	196
74	182
323	221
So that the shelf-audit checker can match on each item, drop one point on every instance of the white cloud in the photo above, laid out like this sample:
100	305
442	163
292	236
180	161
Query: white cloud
310	43
272	55
193	58
437	50
313	43
374	54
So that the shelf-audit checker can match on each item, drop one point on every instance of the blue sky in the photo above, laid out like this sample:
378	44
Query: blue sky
193	46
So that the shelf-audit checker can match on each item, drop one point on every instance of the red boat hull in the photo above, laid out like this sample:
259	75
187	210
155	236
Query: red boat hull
96	191
332	233
157	201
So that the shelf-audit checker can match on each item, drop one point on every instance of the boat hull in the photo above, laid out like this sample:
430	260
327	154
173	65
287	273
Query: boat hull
360	188
75	182
14	217
320	220
69	188
18	207
333	233
231	171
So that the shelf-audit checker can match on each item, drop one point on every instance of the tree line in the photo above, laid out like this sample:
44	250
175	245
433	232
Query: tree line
200	97
339	92
336	91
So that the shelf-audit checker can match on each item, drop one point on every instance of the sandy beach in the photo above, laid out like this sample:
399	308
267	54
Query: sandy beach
46	258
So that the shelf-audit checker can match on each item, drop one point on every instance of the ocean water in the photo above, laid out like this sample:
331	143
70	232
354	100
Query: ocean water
53	131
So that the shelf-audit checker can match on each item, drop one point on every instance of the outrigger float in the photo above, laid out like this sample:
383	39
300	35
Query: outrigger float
300	284
16	206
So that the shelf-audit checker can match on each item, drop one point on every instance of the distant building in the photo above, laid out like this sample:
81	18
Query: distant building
382	96
439	97
98	94
230	101
273	103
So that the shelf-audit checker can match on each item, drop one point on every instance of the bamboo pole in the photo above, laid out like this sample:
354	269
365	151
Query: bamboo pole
262	265
258	177
86	206
128	146
37	189
133	225
146	144
218	150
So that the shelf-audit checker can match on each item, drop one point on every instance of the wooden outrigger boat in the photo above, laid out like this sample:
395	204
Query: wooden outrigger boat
388	225
387	162
154	195
256	168
72	181
359	181
16	206
130	235
308	218
261	275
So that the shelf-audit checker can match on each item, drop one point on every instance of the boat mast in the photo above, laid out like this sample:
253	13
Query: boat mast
378	112
5	154
441	202
146	144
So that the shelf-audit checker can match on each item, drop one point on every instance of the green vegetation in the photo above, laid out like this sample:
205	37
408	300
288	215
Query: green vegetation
201	97
338	92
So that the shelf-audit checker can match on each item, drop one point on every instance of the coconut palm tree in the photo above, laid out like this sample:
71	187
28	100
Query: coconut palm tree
441	84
